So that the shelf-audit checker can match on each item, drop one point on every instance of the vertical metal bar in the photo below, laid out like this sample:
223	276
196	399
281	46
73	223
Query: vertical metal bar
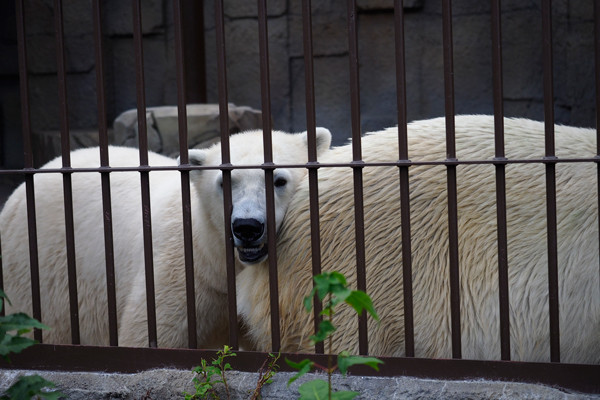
597	74
409	335
500	180
550	180
144	175
3	308
66	163
263	38
192	26
105	177
451	172
226	163
359	225
185	175
313	185
28	159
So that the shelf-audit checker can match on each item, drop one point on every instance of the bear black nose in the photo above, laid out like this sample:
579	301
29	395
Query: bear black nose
248	229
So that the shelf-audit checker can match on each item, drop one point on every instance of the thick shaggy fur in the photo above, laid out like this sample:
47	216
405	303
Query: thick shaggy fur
167	234
579	288
89	241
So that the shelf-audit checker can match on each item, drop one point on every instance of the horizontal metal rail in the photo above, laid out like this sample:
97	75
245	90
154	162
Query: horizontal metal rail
578	377
230	167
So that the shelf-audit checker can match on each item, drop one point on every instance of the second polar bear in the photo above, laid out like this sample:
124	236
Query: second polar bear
167	234
577	204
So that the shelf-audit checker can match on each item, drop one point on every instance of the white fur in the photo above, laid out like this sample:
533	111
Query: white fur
208	239
578	266
167	235
89	241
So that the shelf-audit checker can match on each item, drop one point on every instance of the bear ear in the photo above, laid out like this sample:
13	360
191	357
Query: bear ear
196	157
323	139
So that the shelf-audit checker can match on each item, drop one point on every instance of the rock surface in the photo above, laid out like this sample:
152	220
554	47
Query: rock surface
170	384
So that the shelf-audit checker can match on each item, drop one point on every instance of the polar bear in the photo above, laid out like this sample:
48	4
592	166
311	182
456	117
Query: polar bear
579	288
167	234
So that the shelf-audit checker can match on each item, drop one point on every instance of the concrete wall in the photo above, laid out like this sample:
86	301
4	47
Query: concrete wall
573	62
170	384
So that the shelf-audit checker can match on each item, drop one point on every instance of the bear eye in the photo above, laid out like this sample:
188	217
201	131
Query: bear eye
280	182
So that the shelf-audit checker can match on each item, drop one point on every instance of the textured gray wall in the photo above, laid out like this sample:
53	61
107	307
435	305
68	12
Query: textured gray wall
573	62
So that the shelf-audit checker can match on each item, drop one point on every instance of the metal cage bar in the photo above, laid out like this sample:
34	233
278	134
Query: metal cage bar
28	159
66	163
313	184
144	173
185	174
357	166
226	171
263	39
451	178
409	332
550	180
500	180
105	176
597	82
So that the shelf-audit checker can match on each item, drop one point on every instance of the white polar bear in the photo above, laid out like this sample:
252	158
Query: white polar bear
577	199
167	234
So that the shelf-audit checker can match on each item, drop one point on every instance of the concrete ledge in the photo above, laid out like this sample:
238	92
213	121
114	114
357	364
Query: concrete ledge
170	384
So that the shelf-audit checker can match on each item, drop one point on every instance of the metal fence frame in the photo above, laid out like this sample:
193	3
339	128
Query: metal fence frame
90	358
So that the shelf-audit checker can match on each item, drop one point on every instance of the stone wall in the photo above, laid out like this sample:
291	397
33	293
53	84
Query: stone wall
573	62
170	384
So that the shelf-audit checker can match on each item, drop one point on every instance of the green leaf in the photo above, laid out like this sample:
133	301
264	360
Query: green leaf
340	294
28	386
15	344
20	322
322	285
308	300
314	390
303	367
3	297
326	328
360	301
345	360
345	395
338	278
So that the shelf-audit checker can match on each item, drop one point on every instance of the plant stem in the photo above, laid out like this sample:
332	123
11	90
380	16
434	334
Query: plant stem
329	361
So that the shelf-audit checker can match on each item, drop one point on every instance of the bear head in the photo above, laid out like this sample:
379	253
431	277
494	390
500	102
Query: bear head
249	214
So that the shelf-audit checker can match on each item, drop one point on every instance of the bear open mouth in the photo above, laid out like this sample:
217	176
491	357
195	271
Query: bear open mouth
252	254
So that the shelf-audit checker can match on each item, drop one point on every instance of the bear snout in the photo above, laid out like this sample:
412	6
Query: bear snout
248	230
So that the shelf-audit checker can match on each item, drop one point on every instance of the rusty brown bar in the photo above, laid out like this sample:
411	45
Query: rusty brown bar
313	185
500	180
3	308
357	166
105	176
144	174
597	68
579	377
597	76
263	39
409	335
195	58
550	180
66	163
226	172
451	172
185	175
28	159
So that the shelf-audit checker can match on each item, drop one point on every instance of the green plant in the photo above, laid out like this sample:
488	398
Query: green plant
203	381
26	387
334	287
265	374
